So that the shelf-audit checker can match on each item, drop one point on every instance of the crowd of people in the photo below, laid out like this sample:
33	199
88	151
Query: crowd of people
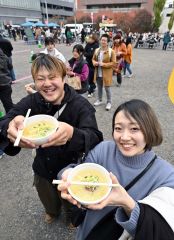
142	206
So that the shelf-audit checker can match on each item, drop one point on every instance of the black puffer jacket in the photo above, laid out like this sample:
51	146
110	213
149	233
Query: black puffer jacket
78	112
89	52
5	67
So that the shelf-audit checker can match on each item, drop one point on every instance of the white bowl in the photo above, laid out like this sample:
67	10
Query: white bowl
80	192
37	118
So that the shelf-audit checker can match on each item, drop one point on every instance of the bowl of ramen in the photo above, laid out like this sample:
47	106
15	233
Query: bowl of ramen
39	128
92	173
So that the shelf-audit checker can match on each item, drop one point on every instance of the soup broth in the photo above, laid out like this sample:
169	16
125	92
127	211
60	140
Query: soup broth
38	129
89	193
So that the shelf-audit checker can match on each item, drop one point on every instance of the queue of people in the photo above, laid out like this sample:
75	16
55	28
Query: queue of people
144	198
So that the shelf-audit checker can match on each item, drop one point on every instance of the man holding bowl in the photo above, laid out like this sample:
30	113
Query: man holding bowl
76	135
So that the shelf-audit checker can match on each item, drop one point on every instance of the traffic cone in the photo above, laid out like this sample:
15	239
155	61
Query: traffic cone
1	114
39	44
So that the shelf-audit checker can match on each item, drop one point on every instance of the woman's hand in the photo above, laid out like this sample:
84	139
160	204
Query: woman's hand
61	136
14	126
117	197
63	188
30	88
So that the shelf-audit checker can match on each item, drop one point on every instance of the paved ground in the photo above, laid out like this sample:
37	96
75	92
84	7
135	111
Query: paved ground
20	210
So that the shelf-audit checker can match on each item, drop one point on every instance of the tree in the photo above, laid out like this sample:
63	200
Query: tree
158	8
142	21
83	19
171	21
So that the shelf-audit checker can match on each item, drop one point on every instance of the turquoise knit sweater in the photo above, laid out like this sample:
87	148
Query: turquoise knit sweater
126	168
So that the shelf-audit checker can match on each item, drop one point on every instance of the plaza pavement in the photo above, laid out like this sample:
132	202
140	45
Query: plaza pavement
21	213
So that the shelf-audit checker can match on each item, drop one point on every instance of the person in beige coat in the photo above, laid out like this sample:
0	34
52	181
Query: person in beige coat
103	60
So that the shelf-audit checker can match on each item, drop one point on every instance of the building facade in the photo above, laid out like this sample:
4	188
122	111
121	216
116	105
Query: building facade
109	7
168	9
19	11
57	10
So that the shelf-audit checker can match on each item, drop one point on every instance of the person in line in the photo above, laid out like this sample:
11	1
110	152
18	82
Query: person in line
120	50
103	61
76	135
135	130
90	48
5	85
78	67
166	40
51	50
128	58
7	48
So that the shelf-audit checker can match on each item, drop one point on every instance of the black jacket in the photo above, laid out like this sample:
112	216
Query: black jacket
5	67
6	46
78	112
89	52
152	226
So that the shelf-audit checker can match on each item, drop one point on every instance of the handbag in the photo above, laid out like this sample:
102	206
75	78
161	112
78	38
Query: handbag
78	214
74	82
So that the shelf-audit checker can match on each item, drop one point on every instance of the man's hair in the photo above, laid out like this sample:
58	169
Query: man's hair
146	119
49	40
52	64
105	35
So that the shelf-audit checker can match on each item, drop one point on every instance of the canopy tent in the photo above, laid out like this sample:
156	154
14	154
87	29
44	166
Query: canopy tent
27	24
51	24
39	24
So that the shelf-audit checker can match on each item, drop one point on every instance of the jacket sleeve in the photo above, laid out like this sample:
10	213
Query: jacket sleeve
84	74
86	136
19	109
152	226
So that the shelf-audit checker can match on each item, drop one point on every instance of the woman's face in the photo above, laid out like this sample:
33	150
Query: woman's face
76	54
128	135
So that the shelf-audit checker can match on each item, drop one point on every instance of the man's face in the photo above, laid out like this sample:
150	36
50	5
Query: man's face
104	42
50	47
50	86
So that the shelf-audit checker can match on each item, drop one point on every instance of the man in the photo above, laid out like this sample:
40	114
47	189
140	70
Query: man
5	85
7	48
103	60
76	135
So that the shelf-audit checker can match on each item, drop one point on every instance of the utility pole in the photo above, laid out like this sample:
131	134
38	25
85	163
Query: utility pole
75	20
46	9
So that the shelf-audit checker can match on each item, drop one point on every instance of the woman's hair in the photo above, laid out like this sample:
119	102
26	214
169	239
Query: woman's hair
128	40
94	37
146	119
79	48
52	64
117	36
49	40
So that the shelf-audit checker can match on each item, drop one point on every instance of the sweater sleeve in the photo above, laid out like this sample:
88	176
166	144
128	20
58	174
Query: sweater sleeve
130	224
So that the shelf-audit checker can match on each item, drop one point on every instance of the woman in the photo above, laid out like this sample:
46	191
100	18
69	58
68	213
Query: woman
135	131
103	61
120	49
90	48
128	58
79	67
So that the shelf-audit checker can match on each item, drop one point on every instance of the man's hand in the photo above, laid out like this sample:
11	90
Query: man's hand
15	125
61	136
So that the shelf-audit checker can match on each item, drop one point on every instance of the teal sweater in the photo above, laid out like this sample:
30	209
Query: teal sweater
126	168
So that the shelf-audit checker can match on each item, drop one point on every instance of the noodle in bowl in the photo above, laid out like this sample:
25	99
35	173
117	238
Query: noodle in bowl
89	172
39	128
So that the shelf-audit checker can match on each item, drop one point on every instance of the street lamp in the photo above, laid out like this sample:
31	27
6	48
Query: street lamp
46	9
